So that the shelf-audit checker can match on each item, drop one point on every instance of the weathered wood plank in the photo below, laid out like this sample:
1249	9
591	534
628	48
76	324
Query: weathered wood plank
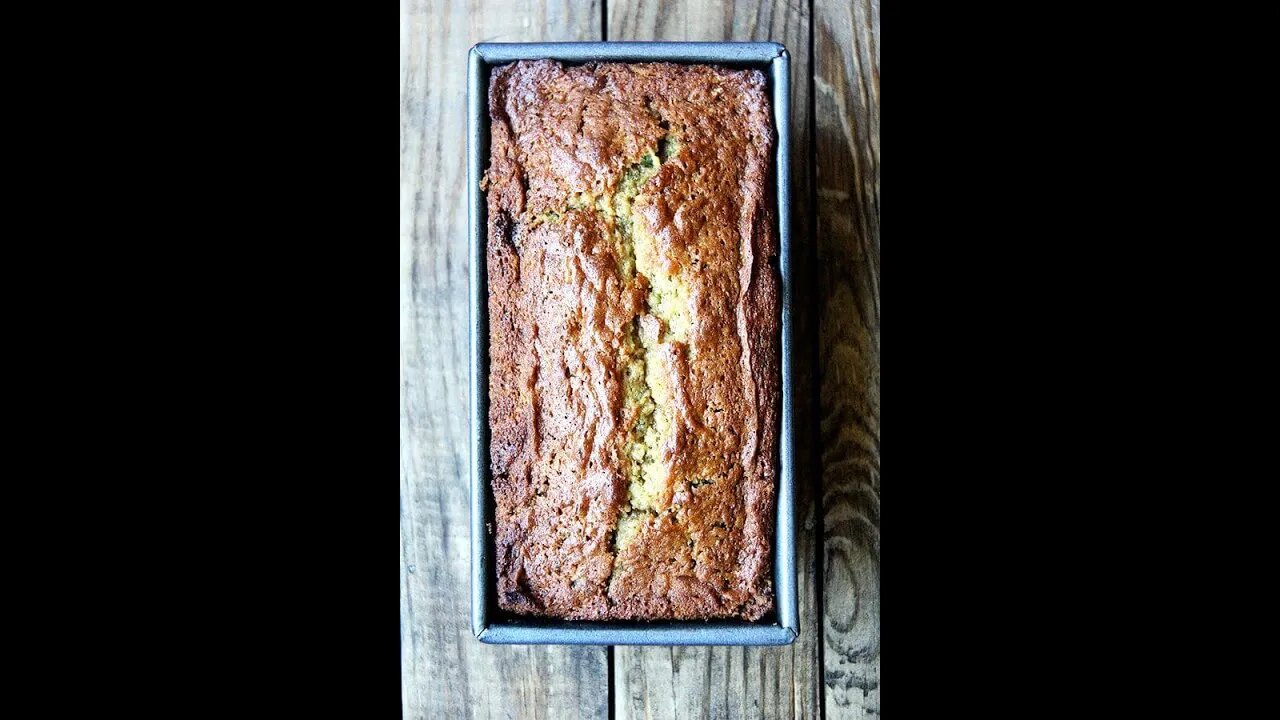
847	145
742	682
445	672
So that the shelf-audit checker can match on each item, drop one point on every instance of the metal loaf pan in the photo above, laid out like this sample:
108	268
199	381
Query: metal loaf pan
488	622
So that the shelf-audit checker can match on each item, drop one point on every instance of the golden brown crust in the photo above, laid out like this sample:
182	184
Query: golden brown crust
633	311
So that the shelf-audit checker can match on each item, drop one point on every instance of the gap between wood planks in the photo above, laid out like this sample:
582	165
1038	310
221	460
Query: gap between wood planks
819	526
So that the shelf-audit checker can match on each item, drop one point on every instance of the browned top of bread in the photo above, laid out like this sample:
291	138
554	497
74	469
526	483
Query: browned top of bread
633	320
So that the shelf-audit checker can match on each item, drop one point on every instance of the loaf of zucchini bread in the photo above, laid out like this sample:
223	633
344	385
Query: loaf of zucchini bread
633	340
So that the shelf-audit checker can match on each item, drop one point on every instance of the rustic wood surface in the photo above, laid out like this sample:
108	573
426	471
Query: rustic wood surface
846	63
833	668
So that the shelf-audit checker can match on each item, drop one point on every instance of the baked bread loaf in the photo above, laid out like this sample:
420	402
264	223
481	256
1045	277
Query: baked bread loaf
633	340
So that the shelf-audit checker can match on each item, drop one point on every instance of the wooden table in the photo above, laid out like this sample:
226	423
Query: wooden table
833	669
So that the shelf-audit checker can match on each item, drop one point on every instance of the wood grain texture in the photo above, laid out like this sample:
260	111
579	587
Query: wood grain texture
847	157
445	672
784	21
743	682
